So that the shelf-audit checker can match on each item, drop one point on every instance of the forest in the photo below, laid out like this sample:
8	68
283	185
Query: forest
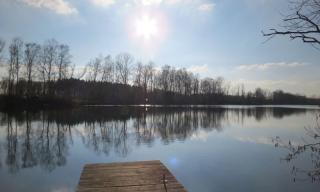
43	75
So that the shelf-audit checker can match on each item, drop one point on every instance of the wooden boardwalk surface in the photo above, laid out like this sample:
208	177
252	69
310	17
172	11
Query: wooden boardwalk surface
128	177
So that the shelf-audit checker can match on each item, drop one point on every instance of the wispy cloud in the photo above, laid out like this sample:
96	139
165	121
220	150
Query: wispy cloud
172	2
197	5
103	3
302	86
266	66
157	2
60	7
198	69
148	2
206	7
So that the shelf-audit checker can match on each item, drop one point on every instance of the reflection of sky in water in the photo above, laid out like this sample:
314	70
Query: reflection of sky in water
217	150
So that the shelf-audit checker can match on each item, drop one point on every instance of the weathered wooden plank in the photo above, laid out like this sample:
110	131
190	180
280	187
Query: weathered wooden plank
143	163
158	187
128	176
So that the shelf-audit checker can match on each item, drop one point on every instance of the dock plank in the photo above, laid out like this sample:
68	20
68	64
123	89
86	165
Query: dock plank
139	176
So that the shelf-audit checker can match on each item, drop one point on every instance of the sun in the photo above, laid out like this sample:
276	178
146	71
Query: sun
146	27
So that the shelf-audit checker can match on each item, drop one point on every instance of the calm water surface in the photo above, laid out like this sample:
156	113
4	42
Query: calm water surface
207	149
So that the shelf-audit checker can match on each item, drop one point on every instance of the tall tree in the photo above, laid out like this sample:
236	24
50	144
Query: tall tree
94	67
16	54
2	44
302	23
63	60
164	78
108	69
47	62
147	76
138	74
123	65
31	56
195	84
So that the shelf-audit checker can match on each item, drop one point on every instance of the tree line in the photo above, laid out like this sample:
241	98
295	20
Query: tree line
36	71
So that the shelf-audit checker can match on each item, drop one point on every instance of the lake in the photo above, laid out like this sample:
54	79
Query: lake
217	148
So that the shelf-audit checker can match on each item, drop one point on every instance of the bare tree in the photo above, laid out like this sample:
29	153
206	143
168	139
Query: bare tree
219	85
206	86
71	70
123	64
147	76
171	79
187	82
4	83
63	60
2	44
94	67
41	68
30	57
164	78
138	74
195	84
302	23
108	69
16	54
48	57
152	74
80	74
50	54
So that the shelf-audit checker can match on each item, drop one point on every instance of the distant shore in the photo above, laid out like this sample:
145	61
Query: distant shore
16	103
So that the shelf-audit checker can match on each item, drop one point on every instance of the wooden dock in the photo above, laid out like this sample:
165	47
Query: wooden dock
128	177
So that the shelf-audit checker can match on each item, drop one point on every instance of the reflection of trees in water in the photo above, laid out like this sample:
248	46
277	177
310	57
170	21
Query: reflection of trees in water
12	145
31	143
28	158
309	149
145	133
43	139
51	144
104	136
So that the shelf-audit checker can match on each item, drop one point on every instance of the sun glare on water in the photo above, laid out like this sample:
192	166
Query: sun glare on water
146	27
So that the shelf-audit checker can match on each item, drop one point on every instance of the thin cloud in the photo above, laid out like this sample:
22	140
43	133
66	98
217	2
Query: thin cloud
307	87
60	7
267	66
206	7
157	2
198	69
173	2
197	5
148	2
103	3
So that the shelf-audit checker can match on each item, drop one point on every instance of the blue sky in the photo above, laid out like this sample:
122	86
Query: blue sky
209	37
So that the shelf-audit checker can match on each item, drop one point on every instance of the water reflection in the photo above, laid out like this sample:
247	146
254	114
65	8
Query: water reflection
32	142
43	139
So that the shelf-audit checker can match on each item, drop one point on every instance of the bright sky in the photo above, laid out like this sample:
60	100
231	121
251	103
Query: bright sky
209	37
